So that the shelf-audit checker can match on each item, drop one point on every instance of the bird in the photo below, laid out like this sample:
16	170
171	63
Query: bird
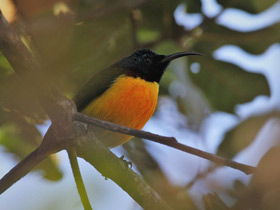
125	93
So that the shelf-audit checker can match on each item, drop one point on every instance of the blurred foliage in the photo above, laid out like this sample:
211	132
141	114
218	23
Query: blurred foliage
229	84
4	66
214	202
20	139
153	174
254	42
250	6
244	134
76	38
263	191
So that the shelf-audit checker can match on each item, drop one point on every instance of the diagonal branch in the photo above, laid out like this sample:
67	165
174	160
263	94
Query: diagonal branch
65	134
62	110
58	107
93	151
169	141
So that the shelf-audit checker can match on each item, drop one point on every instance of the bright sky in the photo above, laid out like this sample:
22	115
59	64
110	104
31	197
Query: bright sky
267	63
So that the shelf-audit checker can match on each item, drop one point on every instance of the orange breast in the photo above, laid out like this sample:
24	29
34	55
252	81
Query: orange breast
129	101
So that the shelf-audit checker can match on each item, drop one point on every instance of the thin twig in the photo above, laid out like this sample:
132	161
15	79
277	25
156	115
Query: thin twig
93	151
169	141
200	175
60	110
78	179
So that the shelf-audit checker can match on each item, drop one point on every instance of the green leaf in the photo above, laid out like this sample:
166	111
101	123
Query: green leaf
17	100
263	191
251	6
5	67
256	42
156	15
212	201
165	48
226	85
192	6
97	44
145	35
4	63
20	139
243	134
239	189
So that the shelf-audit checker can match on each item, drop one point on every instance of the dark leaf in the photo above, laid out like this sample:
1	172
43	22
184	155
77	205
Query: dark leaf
239	190
213	202
243	134
227	85
264	189
215	36
96	47
160	17
21	138
192	6
251	6
176	196
16	98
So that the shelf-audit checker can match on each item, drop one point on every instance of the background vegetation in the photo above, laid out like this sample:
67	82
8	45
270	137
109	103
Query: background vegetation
74	39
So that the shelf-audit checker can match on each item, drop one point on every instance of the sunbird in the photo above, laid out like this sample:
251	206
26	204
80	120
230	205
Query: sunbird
125	93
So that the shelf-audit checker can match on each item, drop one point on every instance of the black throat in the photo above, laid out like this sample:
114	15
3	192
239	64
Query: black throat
148	77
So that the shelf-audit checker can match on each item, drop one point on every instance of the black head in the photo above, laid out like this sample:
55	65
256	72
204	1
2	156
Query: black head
148	65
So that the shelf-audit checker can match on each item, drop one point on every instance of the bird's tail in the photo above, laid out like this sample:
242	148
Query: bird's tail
22	168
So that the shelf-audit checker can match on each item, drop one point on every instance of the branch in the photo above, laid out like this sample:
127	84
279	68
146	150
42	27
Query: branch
155	177
92	150
66	134
58	107
78	179
169	141
200	175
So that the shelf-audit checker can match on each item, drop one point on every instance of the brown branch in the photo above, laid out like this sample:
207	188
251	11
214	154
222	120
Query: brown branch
61	110
58	107
155	177
92	150
65	134
169	141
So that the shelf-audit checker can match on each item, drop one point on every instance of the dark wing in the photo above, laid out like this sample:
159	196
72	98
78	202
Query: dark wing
97	85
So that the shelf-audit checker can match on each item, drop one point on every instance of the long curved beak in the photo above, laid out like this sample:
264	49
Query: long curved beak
173	56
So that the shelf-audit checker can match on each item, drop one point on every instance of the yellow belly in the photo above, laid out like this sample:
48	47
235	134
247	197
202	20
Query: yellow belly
129	101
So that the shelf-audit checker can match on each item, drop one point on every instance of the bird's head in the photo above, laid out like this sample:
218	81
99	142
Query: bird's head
149	65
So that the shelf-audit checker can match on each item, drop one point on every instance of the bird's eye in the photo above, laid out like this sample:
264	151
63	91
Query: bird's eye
148	61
